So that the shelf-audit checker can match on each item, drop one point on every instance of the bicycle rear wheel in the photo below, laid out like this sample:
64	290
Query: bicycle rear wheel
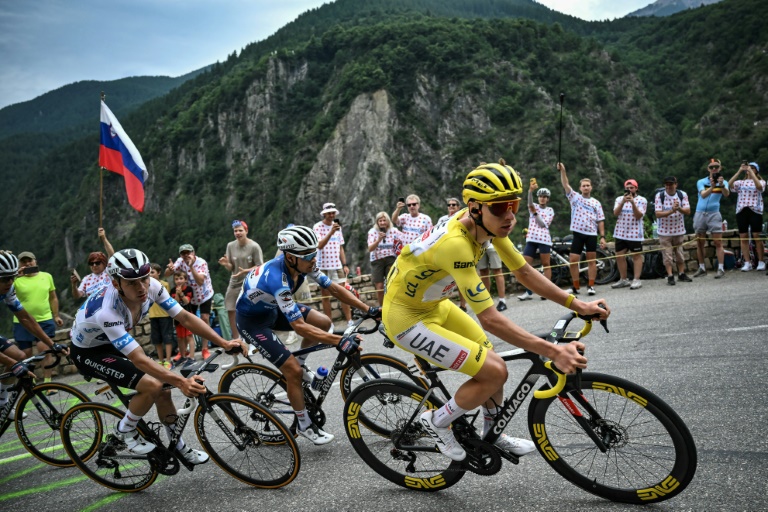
650	456
607	271
39	430
247	441
108	463
377	366
378	412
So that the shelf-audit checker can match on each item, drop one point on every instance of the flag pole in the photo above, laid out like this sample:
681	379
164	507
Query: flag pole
101	181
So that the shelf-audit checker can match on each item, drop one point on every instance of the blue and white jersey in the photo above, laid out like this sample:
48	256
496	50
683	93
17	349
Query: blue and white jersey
11	300
104	318
270	287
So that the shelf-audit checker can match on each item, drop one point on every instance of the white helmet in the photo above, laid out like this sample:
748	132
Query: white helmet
296	239
543	192
9	264
129	264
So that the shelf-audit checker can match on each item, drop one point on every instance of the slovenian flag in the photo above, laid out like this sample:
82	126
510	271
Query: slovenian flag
118	154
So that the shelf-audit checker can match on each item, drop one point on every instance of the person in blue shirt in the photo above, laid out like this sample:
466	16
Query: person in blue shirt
266	304
708	218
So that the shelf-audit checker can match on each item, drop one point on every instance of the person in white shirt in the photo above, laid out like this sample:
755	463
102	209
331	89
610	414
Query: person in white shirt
629	209
414	224
538	238
331	258
670	207
382	238
749	211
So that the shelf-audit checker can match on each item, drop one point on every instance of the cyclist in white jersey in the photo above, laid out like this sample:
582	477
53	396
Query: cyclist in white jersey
102	347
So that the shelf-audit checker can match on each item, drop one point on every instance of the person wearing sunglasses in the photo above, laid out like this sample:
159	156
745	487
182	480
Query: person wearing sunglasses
103	348
331	258
708	218
266	305
587	220
242	256
749	210
412	224
97	262
421	319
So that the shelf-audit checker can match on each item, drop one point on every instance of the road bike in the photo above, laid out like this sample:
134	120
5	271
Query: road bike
267	385
607	272
242	437
606	435
38	412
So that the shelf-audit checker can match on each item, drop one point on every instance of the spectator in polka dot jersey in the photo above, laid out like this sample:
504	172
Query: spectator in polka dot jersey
413	224
331	259
629	209
749	210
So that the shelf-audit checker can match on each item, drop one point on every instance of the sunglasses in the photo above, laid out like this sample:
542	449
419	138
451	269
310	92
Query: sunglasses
500	208
131	274
452	204
92	263
713	167
413	204
305	257
8	279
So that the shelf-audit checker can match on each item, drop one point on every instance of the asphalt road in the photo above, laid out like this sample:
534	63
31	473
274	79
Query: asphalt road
701	346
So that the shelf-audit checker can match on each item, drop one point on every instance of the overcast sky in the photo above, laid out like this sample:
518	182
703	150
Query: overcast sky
45	44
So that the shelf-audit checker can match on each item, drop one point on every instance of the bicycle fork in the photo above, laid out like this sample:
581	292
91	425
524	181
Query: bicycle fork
591	424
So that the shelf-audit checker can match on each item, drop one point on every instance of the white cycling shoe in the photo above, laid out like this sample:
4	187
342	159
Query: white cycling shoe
515	445
194	456
317	435
134	443
443	437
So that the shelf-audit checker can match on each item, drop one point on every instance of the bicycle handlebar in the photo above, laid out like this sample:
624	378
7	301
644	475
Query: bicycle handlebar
554	390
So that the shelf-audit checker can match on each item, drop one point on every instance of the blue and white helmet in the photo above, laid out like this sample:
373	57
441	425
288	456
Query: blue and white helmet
9	264
129	264
296	239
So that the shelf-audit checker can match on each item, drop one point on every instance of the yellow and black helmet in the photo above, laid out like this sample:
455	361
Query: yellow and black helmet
491	182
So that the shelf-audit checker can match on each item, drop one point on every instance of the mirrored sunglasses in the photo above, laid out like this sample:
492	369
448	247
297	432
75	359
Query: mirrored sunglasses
306	257
500	208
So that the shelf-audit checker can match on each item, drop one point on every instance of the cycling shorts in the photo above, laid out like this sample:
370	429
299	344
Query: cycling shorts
629	245
747	219
4	344
531	248
582	241
258	331
445	336
107	363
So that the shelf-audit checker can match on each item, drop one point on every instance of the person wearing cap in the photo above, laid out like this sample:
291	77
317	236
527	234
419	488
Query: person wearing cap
413	224
37	292
629	209
670	206
708	218
749	210
199	277
242	255
331	258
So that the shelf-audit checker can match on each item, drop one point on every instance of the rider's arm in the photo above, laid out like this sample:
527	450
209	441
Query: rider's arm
32	326
347	297
309	331
148	366
6	361
202	329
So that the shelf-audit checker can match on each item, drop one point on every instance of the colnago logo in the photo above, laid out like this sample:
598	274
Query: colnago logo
514	405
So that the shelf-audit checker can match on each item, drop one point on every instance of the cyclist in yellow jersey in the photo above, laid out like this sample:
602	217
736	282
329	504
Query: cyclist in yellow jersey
419	318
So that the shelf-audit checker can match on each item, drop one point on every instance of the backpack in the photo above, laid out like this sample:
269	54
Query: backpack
659	192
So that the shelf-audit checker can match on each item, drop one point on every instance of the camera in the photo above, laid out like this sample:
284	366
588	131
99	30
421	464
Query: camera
627	192
716	176
744	162
337	221
400	199
30	270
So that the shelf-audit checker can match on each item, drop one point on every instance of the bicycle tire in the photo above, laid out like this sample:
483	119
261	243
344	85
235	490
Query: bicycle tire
39	431
607	271
389	404
95	423
651	454
380	366
269	456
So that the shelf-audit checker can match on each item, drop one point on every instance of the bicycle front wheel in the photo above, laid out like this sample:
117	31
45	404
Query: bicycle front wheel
39	430
649	455
607	271
378	366
247	441
384	411
108	464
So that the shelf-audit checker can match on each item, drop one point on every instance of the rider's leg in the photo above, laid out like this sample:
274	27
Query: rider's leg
16	354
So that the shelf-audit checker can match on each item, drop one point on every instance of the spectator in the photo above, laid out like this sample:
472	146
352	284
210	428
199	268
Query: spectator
107	245
749	211
242	255
708	218
161	323
97	262
183	294
414	224
37	293
199	278
538	238
453	207
670	206
587	219
331	259
381	245
629	210
490	258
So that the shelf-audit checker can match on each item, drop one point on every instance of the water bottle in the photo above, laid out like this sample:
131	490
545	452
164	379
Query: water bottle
725	225
319	377
655	230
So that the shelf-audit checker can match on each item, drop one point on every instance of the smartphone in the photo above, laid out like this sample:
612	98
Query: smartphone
533	181
337	221
744	162
30	270
400	199
74	273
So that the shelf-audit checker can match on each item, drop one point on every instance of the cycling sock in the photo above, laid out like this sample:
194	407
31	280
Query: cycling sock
303	417
128	422
488	416
702	267
503	299
443	417
720	266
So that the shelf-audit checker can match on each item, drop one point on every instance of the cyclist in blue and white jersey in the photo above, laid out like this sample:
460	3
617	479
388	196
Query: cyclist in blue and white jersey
266	304
102	347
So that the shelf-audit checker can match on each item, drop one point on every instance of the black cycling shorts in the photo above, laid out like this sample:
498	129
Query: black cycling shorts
747	219
4	344
580	241
107	363
258	331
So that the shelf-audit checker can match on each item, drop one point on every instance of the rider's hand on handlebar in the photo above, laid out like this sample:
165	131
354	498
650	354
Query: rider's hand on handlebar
192	386
349	344
373	312
236	346
62	349
21	369
598	308
568	358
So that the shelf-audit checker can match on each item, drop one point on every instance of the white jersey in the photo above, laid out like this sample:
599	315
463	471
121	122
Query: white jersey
104	318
